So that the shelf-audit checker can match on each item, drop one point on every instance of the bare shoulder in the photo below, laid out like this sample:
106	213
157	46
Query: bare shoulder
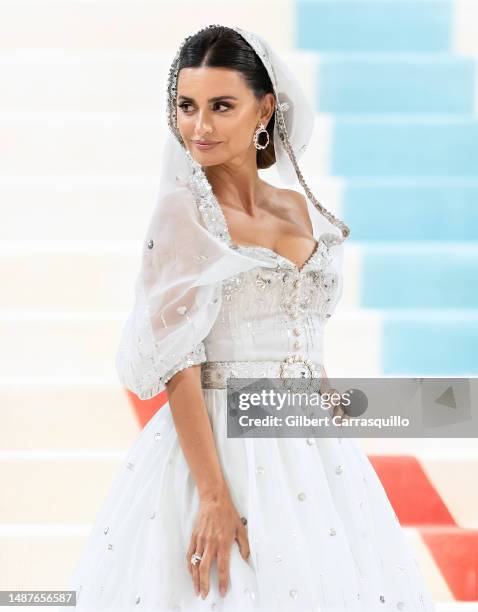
288	197
298	204
297	199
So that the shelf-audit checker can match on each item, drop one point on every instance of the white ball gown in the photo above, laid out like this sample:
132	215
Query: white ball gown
323	536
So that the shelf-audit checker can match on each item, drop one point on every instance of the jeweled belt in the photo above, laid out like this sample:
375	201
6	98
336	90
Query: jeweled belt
214	374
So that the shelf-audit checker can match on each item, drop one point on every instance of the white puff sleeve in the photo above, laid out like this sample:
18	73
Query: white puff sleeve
178	295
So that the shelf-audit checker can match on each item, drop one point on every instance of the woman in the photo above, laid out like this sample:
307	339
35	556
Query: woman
238	278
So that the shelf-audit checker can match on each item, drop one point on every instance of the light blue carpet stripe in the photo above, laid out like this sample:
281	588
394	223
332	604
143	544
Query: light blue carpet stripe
400	145
387	25
404	210
441	344
396	84
415	275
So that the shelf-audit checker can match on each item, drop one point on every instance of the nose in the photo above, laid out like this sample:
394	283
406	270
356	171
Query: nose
203	124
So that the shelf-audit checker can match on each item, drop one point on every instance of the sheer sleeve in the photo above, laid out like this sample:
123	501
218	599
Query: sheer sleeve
175	304
143	362
178	295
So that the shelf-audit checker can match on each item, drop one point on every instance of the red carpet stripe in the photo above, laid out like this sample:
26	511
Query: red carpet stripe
412	495
145	409
455	551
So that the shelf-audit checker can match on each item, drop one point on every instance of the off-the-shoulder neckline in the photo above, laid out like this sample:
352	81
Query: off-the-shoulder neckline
215	220
328	238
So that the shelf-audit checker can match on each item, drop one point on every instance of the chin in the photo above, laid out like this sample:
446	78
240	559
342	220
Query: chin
207	159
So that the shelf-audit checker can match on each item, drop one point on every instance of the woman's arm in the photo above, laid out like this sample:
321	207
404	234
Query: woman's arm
218	522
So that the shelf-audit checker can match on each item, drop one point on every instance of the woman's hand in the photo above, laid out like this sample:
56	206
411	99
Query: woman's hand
217	526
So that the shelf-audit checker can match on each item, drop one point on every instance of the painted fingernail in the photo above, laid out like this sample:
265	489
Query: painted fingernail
222	590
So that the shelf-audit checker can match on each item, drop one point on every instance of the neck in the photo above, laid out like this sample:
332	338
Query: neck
237	185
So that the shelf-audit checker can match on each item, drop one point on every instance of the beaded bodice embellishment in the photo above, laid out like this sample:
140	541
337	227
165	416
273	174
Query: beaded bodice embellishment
276	309
310	286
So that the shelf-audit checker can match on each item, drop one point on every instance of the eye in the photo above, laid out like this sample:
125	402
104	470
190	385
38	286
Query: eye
183	105
222	104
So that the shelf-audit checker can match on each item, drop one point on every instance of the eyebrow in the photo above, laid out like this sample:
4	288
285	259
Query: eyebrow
215	99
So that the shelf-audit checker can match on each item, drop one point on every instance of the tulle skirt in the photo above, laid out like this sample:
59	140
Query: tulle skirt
322	534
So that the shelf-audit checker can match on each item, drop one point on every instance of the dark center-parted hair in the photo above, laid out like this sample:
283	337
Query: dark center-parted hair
223	47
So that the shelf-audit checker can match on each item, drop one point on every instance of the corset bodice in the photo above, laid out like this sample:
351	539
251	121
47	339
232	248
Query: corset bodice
275	310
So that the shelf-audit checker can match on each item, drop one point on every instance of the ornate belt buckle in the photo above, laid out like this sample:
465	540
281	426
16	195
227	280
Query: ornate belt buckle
292	364
298	366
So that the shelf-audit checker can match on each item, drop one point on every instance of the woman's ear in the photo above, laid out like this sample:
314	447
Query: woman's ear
268	108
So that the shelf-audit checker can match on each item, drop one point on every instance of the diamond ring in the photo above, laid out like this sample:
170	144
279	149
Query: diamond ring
195	559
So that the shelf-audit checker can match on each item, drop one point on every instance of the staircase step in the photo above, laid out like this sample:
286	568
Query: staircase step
112	80
120	205
120	81
91	144
412	145
59	347
65	206
376	209
409	276
367	25
327	25
396	83
440	343
348	145
87	279
40	557
416	343
80	347
411	209
66	486
396	276
80	25
76	415
401	343
393	26
104	277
